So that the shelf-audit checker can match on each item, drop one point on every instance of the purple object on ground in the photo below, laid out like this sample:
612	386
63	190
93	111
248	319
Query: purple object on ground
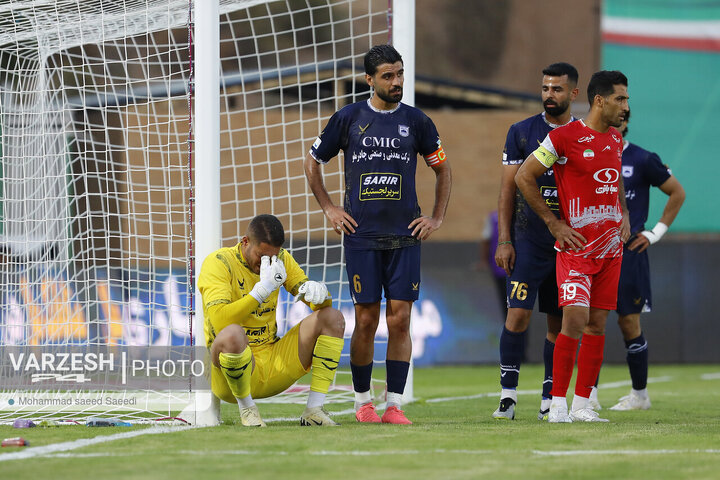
23	423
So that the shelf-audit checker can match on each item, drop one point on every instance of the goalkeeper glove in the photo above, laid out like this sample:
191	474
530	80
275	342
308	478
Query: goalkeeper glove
272	275
315	292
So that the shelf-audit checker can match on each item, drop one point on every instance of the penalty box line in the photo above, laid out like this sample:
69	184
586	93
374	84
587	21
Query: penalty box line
409	452
32	452
623	383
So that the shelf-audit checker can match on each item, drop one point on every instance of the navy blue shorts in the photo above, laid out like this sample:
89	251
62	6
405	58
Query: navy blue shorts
533	277
634	294
396	270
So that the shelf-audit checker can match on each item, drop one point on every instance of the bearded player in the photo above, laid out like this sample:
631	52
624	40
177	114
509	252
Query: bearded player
380	219
585	156
525	246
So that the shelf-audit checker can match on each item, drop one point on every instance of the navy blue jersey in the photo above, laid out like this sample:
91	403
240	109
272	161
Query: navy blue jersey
523	138
380	150
641	170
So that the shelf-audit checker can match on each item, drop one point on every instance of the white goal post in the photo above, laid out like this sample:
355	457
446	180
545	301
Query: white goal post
137	137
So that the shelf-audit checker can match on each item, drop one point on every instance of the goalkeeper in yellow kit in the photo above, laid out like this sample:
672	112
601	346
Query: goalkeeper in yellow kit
239	287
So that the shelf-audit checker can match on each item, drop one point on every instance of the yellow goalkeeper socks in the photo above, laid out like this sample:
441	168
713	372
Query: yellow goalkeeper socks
326	356
237	369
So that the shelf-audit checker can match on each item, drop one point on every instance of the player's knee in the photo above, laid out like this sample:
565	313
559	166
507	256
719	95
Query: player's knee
630	326
398	325
231	339
554	325
366	324
332	321
517	319
594	329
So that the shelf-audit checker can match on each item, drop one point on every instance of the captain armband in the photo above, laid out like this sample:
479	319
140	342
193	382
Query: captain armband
435	158
656	233
545	156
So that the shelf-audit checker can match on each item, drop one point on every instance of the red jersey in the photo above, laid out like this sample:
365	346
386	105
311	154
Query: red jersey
587	166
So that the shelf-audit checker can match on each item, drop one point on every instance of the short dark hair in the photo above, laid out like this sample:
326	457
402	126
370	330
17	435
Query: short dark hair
268	229
603	83
378	55
561	68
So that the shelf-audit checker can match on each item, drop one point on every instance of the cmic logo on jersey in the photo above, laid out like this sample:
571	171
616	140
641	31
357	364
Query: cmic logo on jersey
607	176
385	142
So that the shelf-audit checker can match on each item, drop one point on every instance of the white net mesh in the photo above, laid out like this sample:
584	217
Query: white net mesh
94	187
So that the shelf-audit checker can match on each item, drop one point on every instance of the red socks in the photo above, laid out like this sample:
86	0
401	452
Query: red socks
563	364
589	362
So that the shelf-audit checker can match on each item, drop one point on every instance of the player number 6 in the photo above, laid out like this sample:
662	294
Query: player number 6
356	284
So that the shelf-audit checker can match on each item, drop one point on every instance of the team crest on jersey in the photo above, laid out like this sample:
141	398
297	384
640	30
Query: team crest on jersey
627	171
403	130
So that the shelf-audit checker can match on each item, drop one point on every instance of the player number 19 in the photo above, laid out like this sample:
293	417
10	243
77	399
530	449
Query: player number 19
519	290
569	291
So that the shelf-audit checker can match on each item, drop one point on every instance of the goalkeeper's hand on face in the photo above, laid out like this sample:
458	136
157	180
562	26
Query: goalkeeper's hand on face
313	292
272	275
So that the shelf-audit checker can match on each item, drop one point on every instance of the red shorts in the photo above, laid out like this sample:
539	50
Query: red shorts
587	282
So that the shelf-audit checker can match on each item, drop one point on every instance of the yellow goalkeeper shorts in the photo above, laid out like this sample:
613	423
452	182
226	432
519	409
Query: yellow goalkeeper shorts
277	366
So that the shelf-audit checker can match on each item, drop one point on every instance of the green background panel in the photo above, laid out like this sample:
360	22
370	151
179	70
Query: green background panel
663	9
675	97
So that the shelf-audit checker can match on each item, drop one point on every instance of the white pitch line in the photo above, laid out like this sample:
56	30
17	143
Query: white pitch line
254	453
562	453
710	376
54	448
375	453
625	383
602	386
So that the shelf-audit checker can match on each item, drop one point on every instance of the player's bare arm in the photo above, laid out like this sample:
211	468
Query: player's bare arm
526	181
424	226
676	196
340	220
505	252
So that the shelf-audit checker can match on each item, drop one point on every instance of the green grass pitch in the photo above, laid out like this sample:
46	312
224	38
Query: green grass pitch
455	438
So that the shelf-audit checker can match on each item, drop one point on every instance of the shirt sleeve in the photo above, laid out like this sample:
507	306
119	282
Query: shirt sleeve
332	139
295	274
547	154
214	281
512	154
430	146
214	284
296	277
656	172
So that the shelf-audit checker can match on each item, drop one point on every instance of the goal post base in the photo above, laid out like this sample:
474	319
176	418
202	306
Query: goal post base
203	410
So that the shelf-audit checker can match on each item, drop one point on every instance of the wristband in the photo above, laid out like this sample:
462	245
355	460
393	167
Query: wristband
506	242
656	233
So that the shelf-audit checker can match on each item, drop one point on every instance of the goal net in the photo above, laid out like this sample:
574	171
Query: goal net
96	185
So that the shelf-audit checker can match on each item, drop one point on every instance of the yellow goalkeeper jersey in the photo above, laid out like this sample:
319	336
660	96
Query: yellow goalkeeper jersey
226	278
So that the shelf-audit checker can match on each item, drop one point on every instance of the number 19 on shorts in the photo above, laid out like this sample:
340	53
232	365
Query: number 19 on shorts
569	291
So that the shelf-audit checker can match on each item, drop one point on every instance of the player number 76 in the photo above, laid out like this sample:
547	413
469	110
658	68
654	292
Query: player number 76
519	290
